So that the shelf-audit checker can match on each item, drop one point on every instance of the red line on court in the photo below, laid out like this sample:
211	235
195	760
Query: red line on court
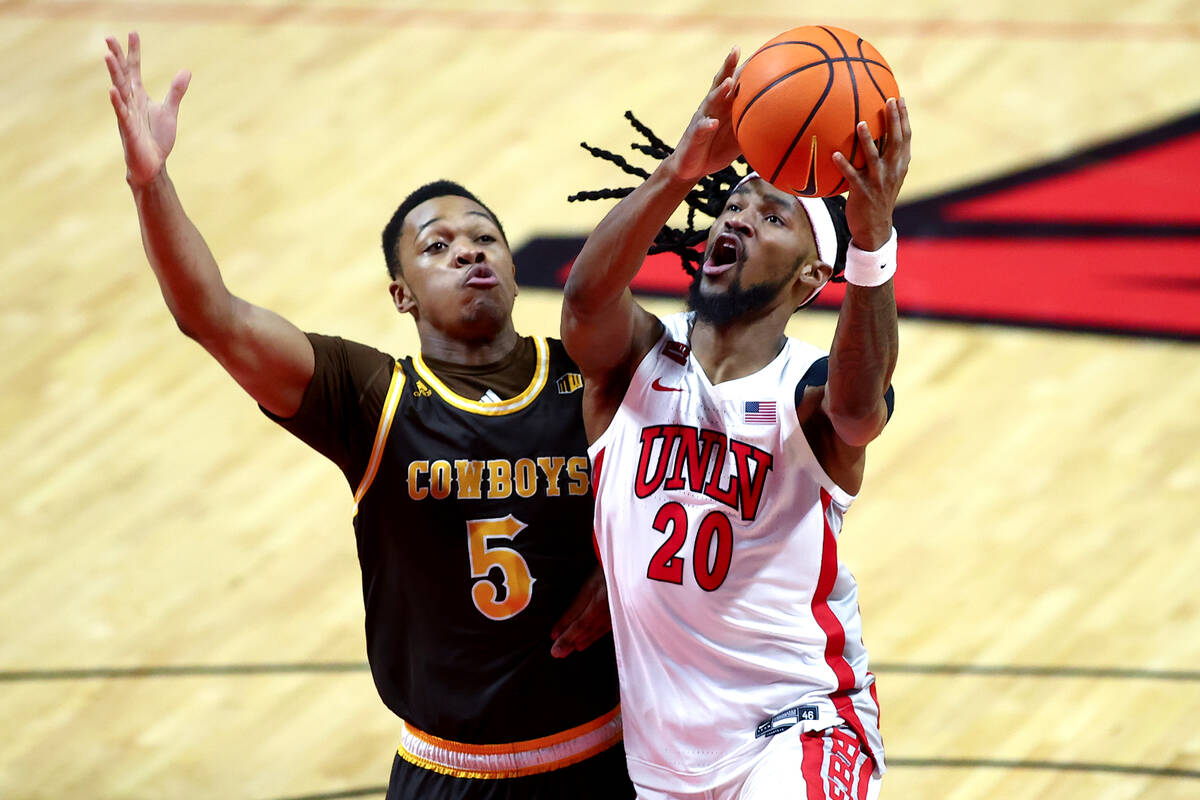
516	19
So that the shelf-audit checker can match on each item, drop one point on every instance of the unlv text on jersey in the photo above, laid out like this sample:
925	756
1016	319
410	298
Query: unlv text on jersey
670	450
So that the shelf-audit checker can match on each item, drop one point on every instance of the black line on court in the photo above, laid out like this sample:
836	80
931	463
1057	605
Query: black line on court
1057	766
361	792
178	671
1033	671
319	667
913	763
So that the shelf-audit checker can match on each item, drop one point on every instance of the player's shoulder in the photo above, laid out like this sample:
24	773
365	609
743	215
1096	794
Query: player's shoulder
322	342
805	353
564	373
555	349
360	364
816	375
677	326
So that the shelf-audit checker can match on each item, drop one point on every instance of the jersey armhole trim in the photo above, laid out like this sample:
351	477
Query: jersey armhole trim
602	439
390	402
816	375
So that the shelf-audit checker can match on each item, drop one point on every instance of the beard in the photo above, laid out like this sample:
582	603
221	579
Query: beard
734	304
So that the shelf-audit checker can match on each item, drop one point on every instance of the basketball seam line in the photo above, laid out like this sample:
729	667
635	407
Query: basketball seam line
804	127
738	123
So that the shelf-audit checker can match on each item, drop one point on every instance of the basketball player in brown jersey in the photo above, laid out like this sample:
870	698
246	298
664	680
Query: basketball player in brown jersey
486	616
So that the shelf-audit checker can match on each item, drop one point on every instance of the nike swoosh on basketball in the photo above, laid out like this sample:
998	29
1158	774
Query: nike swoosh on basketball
660	388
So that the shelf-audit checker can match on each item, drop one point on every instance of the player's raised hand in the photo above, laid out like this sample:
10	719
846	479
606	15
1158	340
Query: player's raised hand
708	144
875	187
147	128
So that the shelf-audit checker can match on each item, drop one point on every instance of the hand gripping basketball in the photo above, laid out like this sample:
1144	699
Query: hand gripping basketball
708	143
800	96
875	187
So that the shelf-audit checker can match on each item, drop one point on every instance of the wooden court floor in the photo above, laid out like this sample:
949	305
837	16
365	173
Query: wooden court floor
180	608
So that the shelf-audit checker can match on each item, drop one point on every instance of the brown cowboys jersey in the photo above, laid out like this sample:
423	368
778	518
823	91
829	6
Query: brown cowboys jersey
474	529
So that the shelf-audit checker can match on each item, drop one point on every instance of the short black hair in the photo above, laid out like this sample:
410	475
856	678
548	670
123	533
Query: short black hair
708	198
440	188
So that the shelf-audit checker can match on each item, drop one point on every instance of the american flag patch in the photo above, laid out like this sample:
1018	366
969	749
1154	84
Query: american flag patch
759	412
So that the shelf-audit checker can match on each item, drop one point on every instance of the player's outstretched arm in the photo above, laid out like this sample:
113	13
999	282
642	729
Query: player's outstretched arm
271	358
866	342
604	330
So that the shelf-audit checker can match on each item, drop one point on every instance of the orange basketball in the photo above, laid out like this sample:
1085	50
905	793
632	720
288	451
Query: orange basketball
800	96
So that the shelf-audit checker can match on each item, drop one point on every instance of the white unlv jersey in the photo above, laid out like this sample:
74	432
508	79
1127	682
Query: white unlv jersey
729	604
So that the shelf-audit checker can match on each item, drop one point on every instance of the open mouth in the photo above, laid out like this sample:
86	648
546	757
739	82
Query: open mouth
481	276
726	252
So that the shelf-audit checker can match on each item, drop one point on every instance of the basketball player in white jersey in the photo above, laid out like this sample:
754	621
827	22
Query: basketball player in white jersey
724	456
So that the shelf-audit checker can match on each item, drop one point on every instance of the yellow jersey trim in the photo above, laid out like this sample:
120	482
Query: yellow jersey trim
511	760
390	402
493	409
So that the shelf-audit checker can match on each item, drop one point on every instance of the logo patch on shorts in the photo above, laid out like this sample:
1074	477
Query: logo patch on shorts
786	719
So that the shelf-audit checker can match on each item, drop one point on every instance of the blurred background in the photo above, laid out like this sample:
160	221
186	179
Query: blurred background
181	606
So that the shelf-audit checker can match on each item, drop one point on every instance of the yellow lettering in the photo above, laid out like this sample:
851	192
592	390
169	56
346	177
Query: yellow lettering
439	479
551	466
499	479
577	472
514	570
525	477
415	469
469	475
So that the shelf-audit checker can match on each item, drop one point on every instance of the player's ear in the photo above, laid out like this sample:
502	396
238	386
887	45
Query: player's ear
814	274
402	296
809	280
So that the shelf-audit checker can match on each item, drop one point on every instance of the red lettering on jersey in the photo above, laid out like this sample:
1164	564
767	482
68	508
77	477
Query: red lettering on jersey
694	453
750	486
676	351
728	495
645	483
698	451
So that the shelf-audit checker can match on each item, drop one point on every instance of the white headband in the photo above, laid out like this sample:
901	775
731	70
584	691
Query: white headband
818	218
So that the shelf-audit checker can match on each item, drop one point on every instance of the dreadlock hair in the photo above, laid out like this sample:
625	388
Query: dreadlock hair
708	198
391	231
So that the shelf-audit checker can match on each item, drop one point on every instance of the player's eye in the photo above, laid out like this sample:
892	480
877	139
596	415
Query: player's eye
487	238
774	219
435	247
733	208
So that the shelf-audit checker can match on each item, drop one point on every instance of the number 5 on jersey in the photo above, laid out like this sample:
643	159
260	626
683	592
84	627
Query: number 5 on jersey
515	576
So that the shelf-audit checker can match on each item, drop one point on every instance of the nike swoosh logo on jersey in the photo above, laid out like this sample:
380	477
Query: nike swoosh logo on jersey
658	387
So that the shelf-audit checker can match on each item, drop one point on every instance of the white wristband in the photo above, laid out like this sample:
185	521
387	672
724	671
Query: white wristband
871	269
